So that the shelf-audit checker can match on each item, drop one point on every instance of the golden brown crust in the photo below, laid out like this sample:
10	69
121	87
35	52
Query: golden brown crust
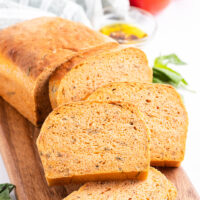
34	45
100	177
15	88
30	52
167	163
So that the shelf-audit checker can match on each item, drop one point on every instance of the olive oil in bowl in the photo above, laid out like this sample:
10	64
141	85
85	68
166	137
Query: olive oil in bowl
123	33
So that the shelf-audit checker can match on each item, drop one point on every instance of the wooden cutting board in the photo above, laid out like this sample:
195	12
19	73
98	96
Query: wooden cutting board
19	152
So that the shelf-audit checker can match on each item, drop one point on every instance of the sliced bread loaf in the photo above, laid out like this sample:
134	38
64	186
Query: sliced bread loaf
155	187
90	141
164	114
30	51
82	75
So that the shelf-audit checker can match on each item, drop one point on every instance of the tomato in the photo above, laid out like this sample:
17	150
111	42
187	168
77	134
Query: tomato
152	6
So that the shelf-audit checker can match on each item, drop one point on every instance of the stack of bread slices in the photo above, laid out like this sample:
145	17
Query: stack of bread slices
108	124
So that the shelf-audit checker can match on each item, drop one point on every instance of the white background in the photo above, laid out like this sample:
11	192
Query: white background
178	32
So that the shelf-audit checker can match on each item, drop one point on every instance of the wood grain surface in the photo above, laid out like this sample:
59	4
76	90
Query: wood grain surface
19	152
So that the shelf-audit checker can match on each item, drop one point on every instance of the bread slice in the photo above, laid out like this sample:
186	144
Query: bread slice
164	114
155	187
90	141
30	51
92	70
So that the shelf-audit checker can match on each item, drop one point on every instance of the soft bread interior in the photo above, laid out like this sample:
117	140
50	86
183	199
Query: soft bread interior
88	141
59	74
92	71
164	114
155	187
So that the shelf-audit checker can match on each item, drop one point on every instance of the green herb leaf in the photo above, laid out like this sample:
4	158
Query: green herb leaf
168	59
165	75
5	190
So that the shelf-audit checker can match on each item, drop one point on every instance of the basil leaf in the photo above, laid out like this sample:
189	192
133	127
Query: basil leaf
5	195
165	75
157	80
5	190
168	59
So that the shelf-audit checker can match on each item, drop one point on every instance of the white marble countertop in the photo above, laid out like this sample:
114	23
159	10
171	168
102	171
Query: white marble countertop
178	32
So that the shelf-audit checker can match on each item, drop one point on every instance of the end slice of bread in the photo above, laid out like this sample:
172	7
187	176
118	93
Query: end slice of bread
164	114
155	187
82	75
92	141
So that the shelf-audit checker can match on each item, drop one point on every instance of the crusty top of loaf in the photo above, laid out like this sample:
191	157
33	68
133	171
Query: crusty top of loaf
46	42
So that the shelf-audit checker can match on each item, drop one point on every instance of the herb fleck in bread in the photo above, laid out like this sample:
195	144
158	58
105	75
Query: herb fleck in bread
164	114
92	70
89	141
155	187
29	53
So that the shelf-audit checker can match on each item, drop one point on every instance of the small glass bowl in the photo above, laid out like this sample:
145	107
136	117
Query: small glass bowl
134	16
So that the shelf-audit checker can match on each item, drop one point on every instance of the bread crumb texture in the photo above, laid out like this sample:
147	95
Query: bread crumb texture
89	141
155	187
118	64
163	112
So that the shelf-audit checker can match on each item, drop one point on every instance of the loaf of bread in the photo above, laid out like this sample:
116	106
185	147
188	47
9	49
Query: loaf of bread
29	53
164	114
155	187
92	70
90	141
